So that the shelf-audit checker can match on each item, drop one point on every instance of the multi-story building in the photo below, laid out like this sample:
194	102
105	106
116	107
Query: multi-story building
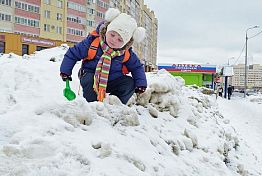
119	4
30	25
76	20
90	15
6	16
254	76
53	19
149	49
101	8
146	50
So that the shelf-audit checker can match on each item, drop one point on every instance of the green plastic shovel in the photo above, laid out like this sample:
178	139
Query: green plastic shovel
68	93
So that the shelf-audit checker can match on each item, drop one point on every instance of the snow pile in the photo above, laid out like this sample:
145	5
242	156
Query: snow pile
169	130
10	56
256	98
52	54
48	54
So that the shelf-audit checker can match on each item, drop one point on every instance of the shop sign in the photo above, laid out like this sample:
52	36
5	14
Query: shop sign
228	71
194	68
36	41
2	38
186	67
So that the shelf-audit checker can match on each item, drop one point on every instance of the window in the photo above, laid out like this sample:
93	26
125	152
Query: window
36	9
59	16
100	15
47	27
47	1
26	7
90	23
59	30
30	8
25	49
26	21
2	47
5	2
59	4
102	4
75	32
27	34
47	14
75	6
18	5
90	11
5	17
39	48
75	19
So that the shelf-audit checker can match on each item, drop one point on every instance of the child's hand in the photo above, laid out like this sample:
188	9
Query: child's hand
65	77
140	90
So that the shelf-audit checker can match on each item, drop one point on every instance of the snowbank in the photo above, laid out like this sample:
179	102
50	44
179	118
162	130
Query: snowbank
169	130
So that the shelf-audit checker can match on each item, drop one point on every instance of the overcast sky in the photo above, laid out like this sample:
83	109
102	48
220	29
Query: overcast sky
207	31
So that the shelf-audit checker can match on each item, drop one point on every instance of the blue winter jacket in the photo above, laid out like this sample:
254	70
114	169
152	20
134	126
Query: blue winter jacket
80	50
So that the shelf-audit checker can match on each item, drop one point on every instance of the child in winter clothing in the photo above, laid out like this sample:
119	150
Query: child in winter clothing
103	74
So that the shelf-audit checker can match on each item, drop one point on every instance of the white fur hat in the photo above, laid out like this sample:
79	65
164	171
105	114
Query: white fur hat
124	25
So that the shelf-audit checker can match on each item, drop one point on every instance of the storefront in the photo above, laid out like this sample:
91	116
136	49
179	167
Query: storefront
20	45
200	75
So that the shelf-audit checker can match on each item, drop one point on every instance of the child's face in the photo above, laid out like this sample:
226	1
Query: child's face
114	40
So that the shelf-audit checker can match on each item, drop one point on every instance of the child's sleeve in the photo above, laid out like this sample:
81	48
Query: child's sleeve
137	70
74	54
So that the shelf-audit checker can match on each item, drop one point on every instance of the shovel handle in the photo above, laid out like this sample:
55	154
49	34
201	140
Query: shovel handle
67	84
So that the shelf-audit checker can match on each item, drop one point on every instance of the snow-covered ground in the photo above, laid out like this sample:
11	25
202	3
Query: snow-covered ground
246	116
170	130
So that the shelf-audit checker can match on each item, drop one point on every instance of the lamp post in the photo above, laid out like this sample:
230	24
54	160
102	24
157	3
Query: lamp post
245	85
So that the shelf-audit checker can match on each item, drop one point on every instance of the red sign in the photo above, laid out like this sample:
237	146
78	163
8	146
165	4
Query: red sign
37	41
2	38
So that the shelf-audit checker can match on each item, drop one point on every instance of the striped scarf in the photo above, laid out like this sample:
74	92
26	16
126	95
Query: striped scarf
103	68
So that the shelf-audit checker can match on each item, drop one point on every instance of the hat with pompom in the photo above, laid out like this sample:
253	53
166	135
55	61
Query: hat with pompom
124	25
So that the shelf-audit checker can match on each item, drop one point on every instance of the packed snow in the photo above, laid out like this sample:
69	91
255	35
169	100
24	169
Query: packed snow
170	130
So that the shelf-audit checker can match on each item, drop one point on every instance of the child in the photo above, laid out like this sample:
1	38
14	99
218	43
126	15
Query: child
103	74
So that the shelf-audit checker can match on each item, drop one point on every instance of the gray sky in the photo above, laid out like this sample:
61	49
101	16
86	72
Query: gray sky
207	31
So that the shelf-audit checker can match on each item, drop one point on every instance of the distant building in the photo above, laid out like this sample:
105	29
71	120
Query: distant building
200	75
254	76
69	21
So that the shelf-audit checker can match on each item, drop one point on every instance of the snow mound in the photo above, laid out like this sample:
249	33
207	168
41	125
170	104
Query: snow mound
169	130
255	98
48	54
162	97
80	112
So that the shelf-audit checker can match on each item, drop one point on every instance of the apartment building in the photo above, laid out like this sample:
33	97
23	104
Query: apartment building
6	16
40	24
254	76
76	20
27	17
53	17
90	15
149	46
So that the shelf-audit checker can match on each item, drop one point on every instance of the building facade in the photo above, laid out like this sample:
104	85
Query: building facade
52	20
69	21
254	76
